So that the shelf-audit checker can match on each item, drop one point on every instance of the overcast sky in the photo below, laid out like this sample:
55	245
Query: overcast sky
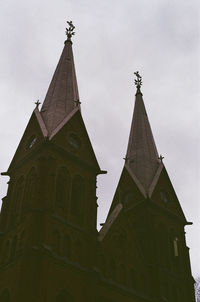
160	38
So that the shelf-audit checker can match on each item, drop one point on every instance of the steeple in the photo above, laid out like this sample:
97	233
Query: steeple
62	96
142	156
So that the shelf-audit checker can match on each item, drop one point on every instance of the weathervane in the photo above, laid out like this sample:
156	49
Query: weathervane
138	81
70	30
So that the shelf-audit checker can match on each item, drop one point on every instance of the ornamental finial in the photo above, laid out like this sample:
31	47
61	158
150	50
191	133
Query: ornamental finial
138	81
70	30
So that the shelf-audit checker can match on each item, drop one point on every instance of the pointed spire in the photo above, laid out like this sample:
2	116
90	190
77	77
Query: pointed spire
62	96
142	155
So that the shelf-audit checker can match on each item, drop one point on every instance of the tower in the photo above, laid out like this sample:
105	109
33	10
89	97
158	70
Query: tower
48	218
50	249
144	232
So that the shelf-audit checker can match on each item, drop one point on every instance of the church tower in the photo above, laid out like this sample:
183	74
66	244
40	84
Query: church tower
143	238
50	249
48	218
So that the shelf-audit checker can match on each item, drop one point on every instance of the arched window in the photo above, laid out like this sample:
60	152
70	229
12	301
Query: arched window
174	249
78	196
102	264
78	251
122	274
13	248
112	270
6	252
31	187
5	296
67	247
133	279
64	296
162	244
62	187
56	242
17	197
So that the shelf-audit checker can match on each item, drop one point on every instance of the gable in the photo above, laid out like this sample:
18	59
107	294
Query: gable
124	248
73	138
32	138
165	196
127	192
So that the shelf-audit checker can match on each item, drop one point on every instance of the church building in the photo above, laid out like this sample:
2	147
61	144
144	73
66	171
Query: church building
50	248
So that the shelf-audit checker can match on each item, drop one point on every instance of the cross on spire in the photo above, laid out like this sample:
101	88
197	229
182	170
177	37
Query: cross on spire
77	102
70	30
138	80
37	103
161	158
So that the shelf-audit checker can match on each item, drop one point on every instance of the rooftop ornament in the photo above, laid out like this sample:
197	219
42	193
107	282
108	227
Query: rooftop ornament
37	103
70	30
138	80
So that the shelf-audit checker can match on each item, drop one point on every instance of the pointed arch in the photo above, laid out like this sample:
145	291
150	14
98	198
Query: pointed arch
64	296
13	248
67	247
62	187
31	187
122	274
56	242
17	198
133	279
102	264
6	252
112	269
78	251
78	196
5	296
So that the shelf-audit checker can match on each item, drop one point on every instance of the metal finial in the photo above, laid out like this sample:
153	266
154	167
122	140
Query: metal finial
70	30
138	81
161	158
37	103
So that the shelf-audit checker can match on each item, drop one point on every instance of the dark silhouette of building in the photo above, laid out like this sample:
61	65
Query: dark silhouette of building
50	249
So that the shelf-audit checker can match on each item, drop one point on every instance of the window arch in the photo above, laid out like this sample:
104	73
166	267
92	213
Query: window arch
6	251
13	248
78	251
5	296
112	269
133	279
122	270
62	187
63	296
17	197
31	187
67	246
78	195
56	242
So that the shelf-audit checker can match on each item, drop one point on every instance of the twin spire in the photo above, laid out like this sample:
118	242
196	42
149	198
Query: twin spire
62	98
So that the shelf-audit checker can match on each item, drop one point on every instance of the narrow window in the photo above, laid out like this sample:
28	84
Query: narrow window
67	247
17	197
62	187
112	270
176	247
56	242
31	187
13	248
5	296
78	196
64	296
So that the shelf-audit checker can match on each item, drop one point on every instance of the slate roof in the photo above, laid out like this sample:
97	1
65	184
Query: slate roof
142	156
62	96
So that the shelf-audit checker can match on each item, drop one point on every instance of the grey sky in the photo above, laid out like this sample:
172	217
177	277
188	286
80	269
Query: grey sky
113	39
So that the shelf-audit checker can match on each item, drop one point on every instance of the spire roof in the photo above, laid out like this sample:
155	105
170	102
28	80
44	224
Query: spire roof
142	156
62	96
